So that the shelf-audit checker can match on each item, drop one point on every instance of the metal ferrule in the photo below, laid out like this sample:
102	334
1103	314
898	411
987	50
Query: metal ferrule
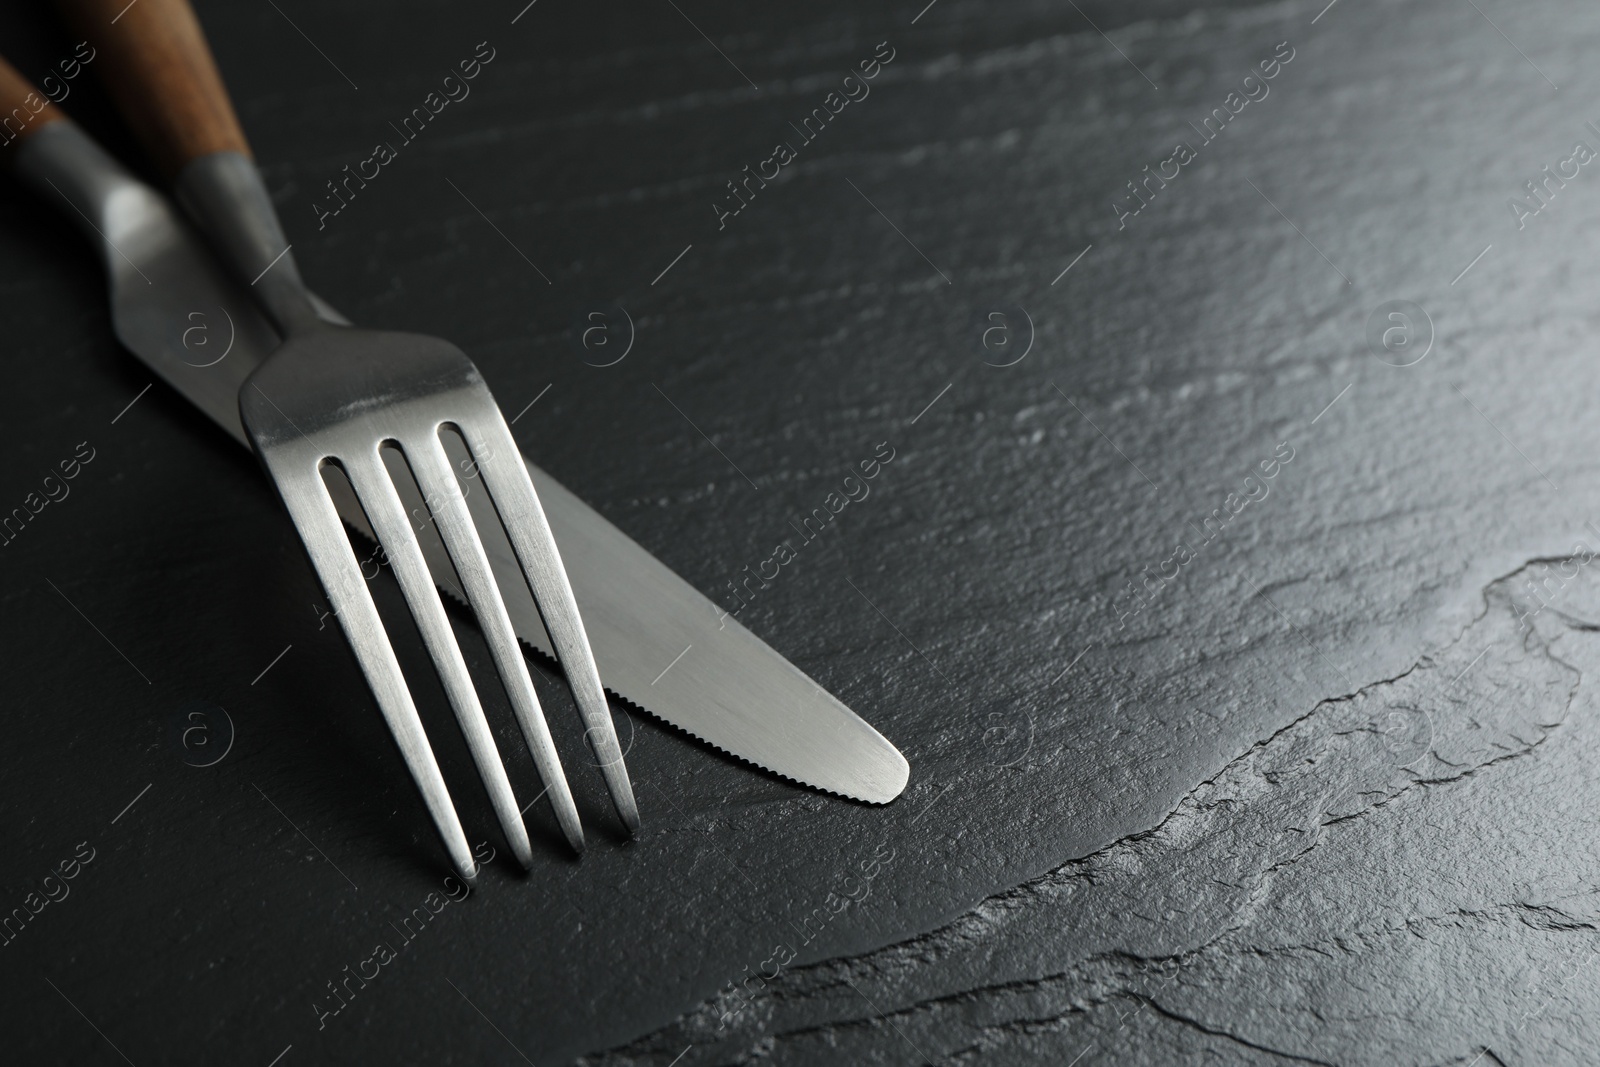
60	161
224	194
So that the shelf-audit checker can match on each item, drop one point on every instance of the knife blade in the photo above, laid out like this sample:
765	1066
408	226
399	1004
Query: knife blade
659	643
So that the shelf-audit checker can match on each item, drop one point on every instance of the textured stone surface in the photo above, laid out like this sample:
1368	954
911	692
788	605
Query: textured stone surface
1325	798
1341	892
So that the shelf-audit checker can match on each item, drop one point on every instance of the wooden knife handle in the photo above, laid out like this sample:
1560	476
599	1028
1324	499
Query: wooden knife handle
156	62
24	110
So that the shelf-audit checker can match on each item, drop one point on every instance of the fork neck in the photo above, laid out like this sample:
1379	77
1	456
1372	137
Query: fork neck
224	194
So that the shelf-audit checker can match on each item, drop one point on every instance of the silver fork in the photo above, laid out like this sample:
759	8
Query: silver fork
339	396
331	396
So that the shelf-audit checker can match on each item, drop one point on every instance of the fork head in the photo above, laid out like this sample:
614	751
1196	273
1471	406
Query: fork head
343	397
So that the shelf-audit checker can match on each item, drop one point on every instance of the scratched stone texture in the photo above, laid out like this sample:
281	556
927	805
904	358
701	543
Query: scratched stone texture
1325	794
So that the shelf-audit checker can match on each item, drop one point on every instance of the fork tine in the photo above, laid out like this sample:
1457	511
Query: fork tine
378	497
299	482
430	465
494	451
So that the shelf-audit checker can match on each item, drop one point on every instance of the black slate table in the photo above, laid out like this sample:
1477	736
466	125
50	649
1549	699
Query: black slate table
1230	589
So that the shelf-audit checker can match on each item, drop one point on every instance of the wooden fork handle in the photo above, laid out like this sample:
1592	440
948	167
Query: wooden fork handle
24	110
160	71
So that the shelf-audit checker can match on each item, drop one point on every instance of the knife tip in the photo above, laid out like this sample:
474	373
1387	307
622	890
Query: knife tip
887	785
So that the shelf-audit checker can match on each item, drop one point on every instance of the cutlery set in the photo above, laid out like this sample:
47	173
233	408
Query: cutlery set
365	429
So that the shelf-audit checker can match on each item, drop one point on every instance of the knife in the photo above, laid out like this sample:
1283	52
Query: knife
659	643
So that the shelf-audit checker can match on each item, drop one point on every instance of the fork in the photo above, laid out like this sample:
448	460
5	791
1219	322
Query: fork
341	397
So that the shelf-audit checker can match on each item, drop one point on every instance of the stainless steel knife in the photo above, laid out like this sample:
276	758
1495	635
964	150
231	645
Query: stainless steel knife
658	642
